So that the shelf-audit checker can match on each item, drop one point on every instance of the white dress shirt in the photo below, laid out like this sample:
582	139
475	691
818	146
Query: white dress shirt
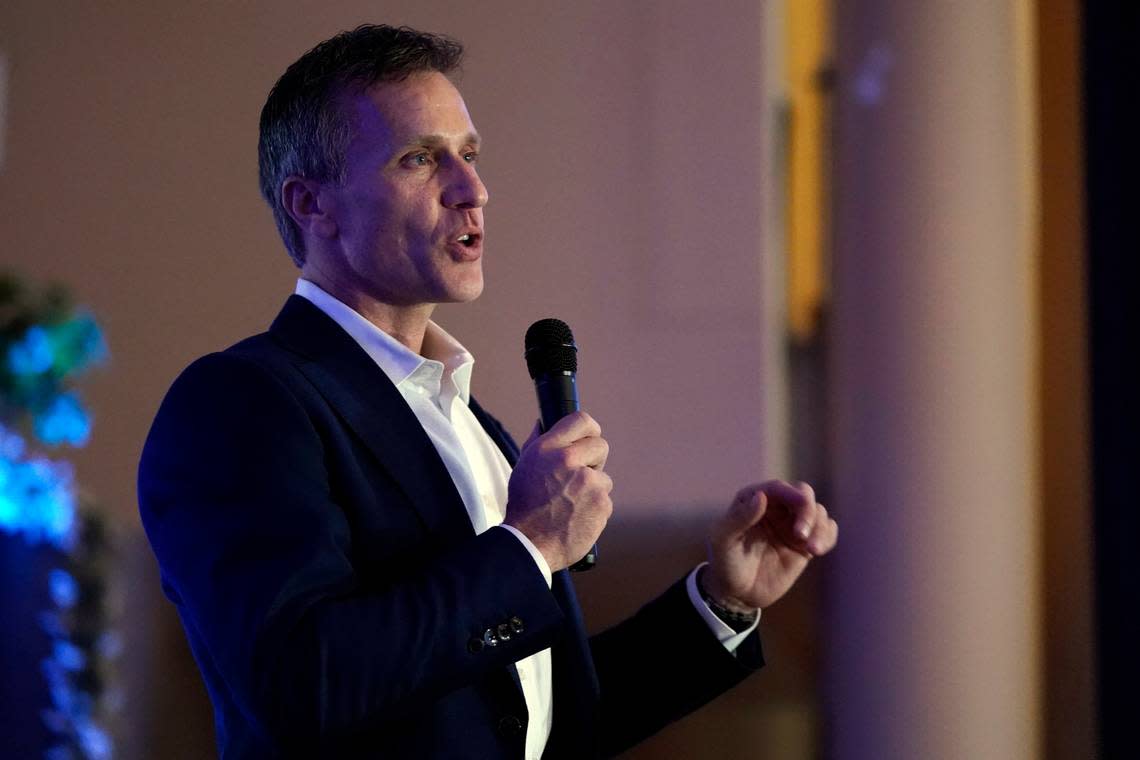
437	387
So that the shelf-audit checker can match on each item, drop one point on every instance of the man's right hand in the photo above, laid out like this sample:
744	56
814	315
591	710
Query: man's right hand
559	495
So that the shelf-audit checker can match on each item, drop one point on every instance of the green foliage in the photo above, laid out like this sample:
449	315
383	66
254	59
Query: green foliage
45	343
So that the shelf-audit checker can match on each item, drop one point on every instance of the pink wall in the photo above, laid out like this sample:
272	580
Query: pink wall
624	166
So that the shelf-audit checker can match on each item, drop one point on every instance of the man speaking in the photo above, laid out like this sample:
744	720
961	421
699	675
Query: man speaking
365	563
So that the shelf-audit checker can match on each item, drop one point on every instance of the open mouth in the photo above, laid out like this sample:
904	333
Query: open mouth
468	240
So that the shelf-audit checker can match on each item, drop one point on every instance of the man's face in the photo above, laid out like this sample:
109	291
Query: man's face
410	212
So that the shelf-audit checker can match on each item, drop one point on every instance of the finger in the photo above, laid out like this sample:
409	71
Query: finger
587	452
746	510
805	489
825	534
571	428
798	501
602	481
593	487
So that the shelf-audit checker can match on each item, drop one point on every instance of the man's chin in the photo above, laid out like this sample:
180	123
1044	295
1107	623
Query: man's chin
466	293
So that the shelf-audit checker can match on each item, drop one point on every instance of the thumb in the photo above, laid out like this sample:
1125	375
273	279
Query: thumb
746	510
534	433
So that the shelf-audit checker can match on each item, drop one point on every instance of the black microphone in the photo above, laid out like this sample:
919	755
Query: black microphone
552	360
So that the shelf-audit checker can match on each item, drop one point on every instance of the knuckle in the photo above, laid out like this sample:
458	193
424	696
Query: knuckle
592	480
544	444
805	489
590	423
580	487
562	458
608	482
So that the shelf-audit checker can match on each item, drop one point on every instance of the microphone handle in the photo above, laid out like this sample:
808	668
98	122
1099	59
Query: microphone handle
558	397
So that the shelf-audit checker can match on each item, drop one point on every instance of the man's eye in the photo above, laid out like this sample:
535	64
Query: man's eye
471	157
418	159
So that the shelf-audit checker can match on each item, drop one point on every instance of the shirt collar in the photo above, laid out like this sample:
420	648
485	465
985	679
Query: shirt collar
443	370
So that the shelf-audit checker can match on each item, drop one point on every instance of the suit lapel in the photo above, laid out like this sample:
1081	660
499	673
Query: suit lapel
368	403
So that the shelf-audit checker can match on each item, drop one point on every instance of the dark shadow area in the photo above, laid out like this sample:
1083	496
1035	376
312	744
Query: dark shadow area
24	598
1112	58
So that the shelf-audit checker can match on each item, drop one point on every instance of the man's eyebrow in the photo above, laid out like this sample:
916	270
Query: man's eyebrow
435	141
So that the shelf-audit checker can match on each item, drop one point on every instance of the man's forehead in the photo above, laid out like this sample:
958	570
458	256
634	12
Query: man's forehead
423	105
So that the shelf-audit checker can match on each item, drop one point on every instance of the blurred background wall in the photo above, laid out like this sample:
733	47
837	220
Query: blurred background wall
792	241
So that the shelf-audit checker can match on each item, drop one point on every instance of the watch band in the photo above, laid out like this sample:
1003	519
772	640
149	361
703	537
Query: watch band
734	619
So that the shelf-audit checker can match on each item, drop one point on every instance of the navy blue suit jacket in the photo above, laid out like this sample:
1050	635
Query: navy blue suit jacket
336	597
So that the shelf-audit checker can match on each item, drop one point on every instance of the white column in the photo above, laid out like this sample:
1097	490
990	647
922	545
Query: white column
933	612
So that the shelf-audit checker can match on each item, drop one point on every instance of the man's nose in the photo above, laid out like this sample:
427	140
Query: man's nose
465	189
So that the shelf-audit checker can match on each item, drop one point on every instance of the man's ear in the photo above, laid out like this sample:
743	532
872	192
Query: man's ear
302	200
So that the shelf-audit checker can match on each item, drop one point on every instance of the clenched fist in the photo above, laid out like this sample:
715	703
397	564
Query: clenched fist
558	495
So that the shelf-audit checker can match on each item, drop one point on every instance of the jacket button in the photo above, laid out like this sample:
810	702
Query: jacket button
509	725
490	639
475	645
504	632
516	624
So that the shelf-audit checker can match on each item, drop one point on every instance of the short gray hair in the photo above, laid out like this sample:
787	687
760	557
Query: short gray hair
304	130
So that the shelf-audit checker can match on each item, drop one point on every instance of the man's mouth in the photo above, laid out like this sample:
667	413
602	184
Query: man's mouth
467	240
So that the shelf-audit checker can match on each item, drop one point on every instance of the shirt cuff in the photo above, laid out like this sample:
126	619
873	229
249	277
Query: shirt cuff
725	635
534	552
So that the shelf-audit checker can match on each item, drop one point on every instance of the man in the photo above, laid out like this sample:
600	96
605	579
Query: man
365	563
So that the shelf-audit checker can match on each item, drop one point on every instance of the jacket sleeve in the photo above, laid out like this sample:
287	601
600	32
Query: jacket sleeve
660	665
256	550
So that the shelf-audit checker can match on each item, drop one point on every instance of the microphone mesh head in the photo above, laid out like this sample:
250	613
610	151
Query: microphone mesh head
550	348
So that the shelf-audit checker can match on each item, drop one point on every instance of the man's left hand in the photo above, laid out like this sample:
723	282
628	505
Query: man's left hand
762	544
